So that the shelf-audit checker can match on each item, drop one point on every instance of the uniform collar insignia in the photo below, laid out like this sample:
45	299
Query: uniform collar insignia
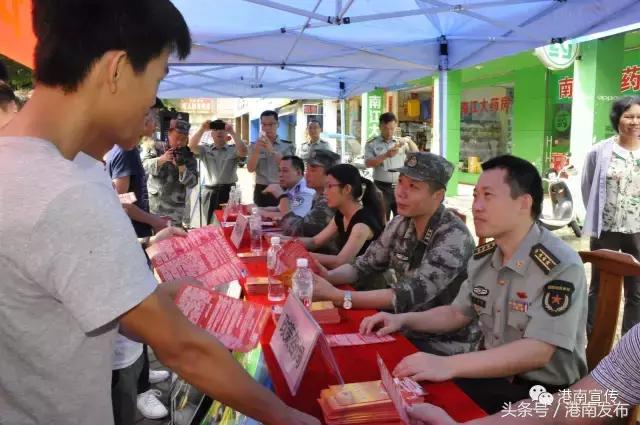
543	258
484	250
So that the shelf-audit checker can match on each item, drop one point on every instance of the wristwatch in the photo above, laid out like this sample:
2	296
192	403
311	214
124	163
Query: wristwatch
346	302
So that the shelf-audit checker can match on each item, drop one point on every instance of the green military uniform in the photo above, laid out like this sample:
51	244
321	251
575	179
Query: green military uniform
540	293
305	149
267	170
218	175
429	271
383	175
167	187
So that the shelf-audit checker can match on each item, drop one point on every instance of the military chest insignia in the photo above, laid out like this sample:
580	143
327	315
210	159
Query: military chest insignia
519	306
480	290
484	250
556	297
543	258
478	302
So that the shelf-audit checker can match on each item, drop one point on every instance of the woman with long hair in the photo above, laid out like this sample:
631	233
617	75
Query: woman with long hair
359	219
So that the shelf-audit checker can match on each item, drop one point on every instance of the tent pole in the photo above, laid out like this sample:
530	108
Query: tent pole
443	97
342	129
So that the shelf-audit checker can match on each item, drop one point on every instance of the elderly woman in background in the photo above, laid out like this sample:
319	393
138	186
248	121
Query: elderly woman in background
611	193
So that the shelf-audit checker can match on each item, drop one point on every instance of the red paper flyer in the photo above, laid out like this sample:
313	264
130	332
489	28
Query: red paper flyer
290	252
204	254
237	324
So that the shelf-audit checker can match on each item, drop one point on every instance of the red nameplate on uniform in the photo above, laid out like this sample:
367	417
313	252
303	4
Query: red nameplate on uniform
346	340
204	254
237	324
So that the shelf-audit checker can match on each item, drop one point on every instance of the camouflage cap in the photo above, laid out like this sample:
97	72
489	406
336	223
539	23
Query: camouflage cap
425	166
324	158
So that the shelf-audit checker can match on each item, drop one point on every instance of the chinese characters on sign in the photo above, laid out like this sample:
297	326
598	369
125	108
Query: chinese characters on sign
374	100
570	404
565	88
630	78
495	104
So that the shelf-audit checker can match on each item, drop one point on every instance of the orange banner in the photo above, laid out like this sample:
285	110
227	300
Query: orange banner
17	40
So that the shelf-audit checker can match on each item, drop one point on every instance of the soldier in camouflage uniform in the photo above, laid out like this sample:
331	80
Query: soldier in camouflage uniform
171	170
527	288
426	245
319	162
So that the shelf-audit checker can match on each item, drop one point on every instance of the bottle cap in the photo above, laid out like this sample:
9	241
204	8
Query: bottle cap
302	262
275	240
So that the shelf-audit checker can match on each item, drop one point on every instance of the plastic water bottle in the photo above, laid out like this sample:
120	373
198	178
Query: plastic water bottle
255	227
302	282
276	288
229	208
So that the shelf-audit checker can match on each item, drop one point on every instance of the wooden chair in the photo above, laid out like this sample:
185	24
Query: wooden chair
613	267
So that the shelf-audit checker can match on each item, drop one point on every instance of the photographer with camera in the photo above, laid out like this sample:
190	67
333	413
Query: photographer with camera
220	164
171	169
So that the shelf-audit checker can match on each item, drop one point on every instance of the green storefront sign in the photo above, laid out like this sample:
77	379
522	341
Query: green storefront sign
375	104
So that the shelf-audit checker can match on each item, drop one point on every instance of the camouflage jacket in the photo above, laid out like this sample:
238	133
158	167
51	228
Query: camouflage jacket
428	272
167	188
311	224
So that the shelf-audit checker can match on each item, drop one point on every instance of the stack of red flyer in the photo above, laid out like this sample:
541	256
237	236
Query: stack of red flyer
364	403
204	254
257	285
237	324
374	402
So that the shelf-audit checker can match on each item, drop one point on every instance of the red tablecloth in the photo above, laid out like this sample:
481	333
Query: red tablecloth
356	364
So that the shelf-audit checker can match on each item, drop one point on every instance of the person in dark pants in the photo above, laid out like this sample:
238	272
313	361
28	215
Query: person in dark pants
264	158
219	164
127	174
611	193
384	153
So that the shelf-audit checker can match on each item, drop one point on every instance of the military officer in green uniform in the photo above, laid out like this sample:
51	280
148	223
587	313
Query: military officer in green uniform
528	290
384	153
314	141
427	248
264	158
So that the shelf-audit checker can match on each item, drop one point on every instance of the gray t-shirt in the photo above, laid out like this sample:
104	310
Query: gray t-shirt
70	266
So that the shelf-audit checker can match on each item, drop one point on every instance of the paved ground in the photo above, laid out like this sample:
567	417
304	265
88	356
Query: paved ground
461	202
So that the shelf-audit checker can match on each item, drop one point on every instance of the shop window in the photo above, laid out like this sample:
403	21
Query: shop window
485	125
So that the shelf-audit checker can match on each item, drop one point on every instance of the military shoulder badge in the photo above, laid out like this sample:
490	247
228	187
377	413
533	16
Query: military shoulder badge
543	258
484	250
556	297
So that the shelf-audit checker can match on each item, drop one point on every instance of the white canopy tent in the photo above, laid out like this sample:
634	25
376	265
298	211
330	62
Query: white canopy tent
340	48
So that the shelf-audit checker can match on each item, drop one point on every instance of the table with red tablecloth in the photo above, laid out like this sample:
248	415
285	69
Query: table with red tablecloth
356	363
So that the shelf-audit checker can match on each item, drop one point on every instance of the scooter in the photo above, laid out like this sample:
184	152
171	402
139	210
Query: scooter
563	212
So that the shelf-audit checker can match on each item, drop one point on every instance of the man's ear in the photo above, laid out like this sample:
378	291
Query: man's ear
117	61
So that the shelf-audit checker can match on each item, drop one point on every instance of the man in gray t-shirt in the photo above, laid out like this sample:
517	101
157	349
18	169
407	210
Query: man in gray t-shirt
72	270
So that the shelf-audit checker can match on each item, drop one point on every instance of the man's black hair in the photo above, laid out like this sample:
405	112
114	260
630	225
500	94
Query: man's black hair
6	95
218	125
296	162
387	117
619	107
269	113
73	34
522	177
4	72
